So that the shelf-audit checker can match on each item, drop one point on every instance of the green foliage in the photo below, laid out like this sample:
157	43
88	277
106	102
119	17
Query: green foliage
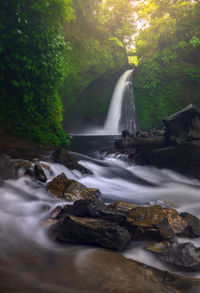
117	18
168	76
133	60
32	68
92	52
195	42
53	49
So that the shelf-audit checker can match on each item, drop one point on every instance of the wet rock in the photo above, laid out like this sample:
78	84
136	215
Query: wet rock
107	271
184	159
151	133
39	173
126	142
33	169
158	247
143	134
95	209
98	232
140	144
23	164
125	133
95	191
70	190
193	227
56	213
154	222
75	191
45	167
184	255
27	168
63	157
183	126
122	206
58	185
48	222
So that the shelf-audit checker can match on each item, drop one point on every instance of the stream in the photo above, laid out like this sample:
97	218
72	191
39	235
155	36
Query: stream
31	262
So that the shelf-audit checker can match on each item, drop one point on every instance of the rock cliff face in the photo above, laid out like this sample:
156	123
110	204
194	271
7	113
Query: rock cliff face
183	126
92	104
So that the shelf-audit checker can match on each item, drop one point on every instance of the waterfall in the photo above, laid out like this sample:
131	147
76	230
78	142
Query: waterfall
122	111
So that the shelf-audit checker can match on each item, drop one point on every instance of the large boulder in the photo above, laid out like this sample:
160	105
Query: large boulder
143	223
154	222
184	159
183	126
71	190
193	225
107	271
98	232
184	255
63	157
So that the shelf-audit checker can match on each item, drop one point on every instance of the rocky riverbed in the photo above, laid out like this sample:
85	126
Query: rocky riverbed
81	219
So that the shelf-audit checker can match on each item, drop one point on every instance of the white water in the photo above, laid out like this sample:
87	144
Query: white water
25	247
22	201
122	111
112	123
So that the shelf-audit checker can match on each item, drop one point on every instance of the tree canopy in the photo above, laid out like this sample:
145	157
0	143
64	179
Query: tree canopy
47	43
51	51
168	77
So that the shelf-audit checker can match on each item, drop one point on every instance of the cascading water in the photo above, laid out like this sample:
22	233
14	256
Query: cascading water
122	111
31	262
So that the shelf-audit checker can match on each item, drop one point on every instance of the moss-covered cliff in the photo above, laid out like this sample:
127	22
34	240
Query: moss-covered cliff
92	104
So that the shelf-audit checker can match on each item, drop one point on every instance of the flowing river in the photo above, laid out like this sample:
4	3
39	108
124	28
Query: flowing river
31	262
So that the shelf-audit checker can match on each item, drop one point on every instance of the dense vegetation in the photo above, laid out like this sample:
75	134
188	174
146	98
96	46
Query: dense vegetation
33	67
168	77
46	44
60	52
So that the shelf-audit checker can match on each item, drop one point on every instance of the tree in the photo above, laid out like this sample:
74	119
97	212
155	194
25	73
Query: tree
33	66
169	74
118	18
